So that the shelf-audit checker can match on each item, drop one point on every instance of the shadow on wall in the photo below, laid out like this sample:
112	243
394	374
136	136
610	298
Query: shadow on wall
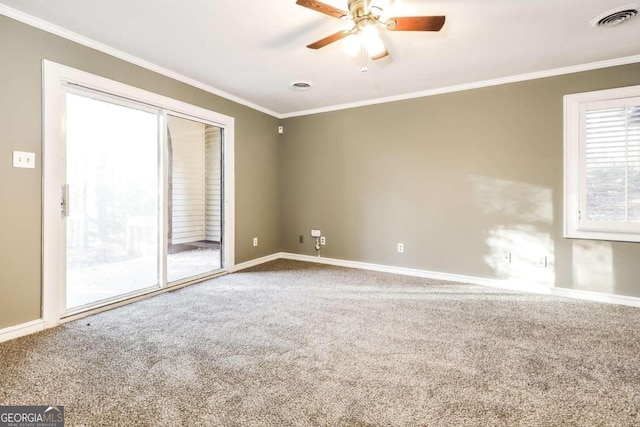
592	266
521	247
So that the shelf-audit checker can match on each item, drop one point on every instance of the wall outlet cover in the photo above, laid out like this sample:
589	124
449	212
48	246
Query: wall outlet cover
23	159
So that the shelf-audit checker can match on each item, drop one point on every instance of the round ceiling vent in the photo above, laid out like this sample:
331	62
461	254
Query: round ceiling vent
301	85
615	17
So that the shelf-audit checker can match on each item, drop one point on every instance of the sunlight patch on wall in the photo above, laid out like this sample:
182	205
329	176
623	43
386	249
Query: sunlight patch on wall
523	202
521	253
518	217
593	266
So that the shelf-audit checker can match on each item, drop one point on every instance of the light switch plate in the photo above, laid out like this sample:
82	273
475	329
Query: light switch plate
23	159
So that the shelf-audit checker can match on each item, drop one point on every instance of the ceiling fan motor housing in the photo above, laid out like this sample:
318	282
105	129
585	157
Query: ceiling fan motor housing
358	10
356	6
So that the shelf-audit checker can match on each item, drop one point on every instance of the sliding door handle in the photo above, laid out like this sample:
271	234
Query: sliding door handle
64	202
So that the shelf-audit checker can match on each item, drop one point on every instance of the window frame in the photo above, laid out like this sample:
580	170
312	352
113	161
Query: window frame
575	227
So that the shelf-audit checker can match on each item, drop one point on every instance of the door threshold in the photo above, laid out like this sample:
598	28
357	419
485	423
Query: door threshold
132	297
196	278
110	301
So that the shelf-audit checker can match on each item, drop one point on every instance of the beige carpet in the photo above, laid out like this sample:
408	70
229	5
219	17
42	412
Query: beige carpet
296	344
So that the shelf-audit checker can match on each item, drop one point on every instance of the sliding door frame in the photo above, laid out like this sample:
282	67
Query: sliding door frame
56	79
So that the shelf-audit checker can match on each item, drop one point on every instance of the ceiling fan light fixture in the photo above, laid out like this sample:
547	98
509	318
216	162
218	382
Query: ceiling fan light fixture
372	41
352	45
367	17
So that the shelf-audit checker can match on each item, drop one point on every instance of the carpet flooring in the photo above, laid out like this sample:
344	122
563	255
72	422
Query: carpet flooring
295	344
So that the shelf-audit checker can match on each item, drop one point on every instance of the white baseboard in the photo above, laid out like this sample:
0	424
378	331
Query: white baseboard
257	261
596	296
458	278
508	284
17	331
21	330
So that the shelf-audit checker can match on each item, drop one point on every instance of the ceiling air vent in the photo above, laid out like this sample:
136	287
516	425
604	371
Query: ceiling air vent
615	17
301	85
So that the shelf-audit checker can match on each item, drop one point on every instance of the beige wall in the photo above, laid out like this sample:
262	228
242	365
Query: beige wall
461	179
22	49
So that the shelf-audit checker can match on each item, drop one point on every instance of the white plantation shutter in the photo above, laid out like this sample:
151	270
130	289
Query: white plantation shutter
602	165
612	163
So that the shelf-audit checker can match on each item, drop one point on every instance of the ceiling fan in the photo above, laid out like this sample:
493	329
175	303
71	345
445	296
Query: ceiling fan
367	16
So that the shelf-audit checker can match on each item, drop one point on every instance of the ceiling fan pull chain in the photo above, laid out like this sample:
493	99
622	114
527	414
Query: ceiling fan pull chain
365	59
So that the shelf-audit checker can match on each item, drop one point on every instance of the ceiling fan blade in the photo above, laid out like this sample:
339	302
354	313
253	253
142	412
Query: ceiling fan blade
416	23
328	40
318	6
380	55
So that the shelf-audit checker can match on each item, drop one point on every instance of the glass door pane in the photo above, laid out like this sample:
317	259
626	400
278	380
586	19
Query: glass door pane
112	170
194	198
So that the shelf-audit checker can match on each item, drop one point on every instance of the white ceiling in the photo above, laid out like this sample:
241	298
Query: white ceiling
255	49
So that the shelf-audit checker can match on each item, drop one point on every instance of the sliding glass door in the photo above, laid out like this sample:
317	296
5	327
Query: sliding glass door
112	197
143	199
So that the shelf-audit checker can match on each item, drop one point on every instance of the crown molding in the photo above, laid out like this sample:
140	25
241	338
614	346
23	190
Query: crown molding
101	47
468	86
85	41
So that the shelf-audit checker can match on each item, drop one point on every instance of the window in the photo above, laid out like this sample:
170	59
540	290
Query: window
602	165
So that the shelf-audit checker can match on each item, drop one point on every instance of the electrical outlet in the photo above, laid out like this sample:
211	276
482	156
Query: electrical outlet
507	257
323	240
400	248
301	239
542	261
255	241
